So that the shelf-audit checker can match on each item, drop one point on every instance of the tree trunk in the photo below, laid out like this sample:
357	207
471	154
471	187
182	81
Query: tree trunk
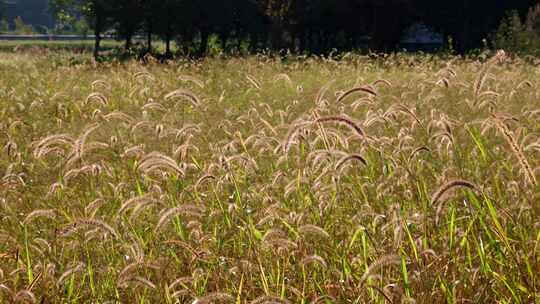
310	45
302	43
239	44
464	39
292	43
224	37
128	42
203	47
149	36
253	42
374	44
276	35
97	34
387	30
168	53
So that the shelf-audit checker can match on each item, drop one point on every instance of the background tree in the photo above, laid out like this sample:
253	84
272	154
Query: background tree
21	27
98	13
533	19
469	22
519	35
250	24
2	9
33	12
128	19
389	19
212	17
166	26
312	26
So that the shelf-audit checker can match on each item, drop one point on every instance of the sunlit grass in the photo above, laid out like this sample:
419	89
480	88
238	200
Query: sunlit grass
255	180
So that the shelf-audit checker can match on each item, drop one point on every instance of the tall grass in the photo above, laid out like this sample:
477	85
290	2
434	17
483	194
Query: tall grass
269	180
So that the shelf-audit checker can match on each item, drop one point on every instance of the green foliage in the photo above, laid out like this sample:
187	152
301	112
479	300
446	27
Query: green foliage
74	47
518	37
21	27
510	35
81	27
2	9
214	46
4	25
449	47
533	19
64	21
299	26
33	12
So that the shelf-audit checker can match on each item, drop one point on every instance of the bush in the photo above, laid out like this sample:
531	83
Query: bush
533	20
81	27
22	28
518	37
4	26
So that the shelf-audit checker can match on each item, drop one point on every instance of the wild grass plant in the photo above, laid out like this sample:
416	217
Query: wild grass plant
395	179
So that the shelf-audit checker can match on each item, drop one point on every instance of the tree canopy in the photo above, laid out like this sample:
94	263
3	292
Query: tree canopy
35	12
316	26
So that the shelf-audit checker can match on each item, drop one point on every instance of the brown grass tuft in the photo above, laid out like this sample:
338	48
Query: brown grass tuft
215	297
437	195
312	230
87	222
348	158
516	148
343	120
182	93
383	261
365	89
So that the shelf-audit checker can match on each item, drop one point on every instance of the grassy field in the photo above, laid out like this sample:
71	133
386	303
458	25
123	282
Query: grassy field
397	179
82	46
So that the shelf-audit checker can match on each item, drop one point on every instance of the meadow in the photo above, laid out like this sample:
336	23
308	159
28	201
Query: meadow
80	47
359	179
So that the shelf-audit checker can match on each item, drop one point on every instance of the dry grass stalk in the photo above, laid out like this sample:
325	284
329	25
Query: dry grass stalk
79	145
135	201
343	120
350	157
120	116
314	259
443	81
24	296
188	210
291	135
188	78
416	151
382	81
182	93
45	146
516	148
253	81
437	195
201	180
269	300
87	222
322	91
365	89
383	261
284	77
79	267
216	297
96	96
484	72
143	282
156	161
47	213
312	230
